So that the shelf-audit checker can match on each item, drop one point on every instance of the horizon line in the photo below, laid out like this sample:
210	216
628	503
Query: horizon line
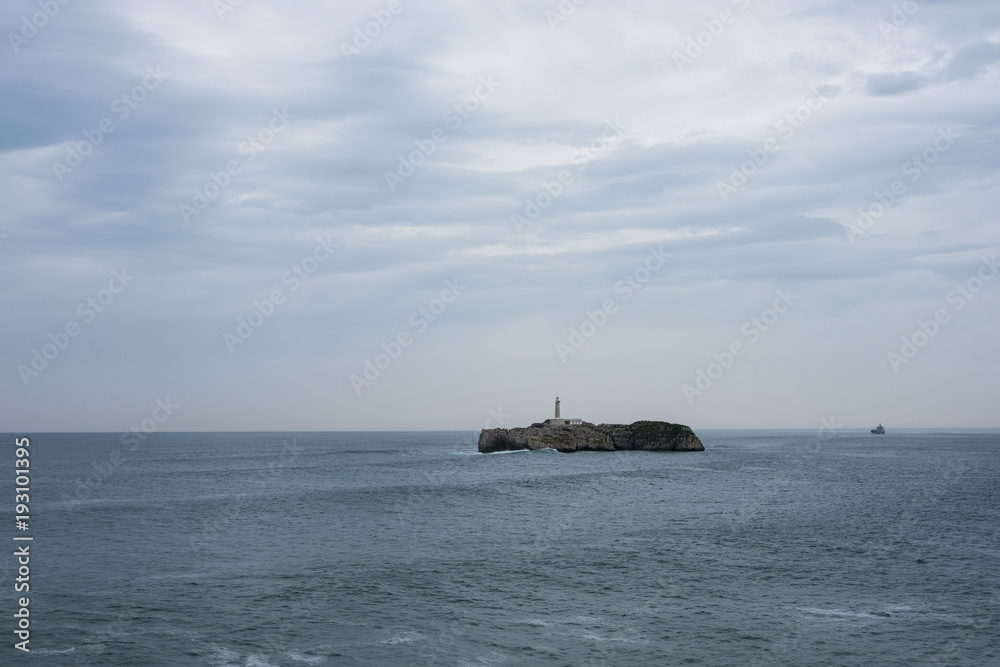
14	433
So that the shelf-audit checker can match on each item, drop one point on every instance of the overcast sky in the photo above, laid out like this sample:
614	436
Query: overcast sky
676	170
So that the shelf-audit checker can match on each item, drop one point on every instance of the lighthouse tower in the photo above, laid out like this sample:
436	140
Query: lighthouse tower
558	421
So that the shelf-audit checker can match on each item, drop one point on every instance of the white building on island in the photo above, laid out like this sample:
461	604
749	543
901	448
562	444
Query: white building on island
559	421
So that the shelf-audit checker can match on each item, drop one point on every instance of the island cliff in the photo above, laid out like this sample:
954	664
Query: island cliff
586	437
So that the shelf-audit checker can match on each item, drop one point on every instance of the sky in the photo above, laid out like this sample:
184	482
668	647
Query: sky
440	215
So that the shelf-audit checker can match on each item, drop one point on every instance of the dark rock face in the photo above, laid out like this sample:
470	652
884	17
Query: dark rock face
586	437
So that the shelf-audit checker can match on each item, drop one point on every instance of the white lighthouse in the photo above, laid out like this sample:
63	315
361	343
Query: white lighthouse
557	421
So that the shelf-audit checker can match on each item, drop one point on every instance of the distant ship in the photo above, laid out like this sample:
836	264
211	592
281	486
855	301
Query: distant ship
879	431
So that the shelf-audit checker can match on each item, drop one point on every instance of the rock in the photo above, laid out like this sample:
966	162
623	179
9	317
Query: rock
587	437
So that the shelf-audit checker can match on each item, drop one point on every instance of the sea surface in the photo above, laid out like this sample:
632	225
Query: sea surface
829	547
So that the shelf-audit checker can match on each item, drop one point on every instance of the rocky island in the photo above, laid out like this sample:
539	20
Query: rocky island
576	435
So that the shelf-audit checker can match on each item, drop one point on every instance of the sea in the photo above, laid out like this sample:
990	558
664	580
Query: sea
814	547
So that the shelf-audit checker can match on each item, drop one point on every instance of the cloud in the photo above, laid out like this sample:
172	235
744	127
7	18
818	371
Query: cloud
971	60
353	120
894	83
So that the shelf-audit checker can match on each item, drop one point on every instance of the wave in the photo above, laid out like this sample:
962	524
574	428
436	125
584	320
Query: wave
227	657
407	637
493	658
53	651
840	613
222	656
517	451
298	656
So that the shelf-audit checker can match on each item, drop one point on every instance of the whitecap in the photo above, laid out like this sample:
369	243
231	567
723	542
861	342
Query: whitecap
838	613
491	659
583	620
403	638
222	656
594	637
299	656
898	608
258	660
53	651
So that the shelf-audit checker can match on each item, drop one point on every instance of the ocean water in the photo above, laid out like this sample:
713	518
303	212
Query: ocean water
771	547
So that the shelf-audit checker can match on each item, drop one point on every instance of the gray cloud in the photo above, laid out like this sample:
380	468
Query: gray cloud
895	83
657	184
